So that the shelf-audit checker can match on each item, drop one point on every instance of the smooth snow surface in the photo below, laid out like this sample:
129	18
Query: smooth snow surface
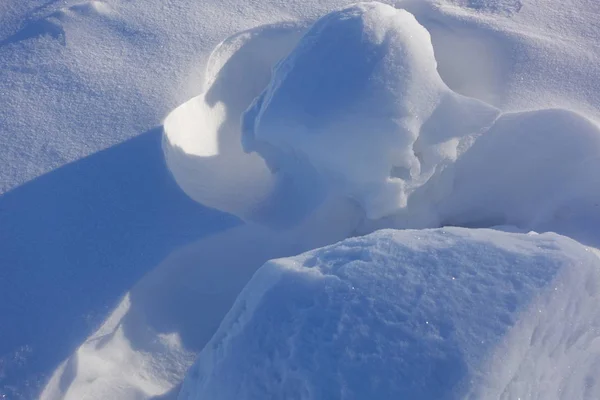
387	133
212	167
147	344
360	101
537	170
432	314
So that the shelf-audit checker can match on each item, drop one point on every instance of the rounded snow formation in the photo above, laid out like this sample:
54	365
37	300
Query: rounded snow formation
359	101
201	139
431	314
536	170
354	111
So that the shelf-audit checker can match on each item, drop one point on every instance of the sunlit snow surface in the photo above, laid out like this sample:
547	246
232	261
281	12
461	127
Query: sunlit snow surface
360	110
78	77
430	314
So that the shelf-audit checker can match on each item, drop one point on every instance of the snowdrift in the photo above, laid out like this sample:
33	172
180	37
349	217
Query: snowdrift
430	314
202	142
536	170
358	111
415	134
145	347
360	101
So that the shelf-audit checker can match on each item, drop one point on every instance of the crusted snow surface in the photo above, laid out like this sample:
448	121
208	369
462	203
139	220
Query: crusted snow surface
432	314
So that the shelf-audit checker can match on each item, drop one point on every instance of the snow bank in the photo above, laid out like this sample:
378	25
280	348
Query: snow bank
360	103
389	134
430	314
533	170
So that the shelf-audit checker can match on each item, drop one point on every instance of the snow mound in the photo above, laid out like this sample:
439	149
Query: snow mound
360	102
202	137
533	170
433	314
388	132
144	348
52	25
536	170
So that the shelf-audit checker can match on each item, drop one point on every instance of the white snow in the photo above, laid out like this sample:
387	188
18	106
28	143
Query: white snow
360	101
536	170
86	204
430	314
202	136
380	133
476	113
146	345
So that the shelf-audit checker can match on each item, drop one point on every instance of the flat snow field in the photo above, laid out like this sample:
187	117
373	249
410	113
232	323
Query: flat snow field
156	155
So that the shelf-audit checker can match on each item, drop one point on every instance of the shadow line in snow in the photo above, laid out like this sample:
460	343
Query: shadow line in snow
36	29
73	241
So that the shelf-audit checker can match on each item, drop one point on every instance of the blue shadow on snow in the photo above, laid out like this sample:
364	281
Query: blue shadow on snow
73	241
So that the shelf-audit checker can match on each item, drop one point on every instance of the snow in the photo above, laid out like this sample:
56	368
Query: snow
371	131
550	182
552	352
238	69
517	55
74	241
533	170
94	225
150	340
87	207
448	313
385	133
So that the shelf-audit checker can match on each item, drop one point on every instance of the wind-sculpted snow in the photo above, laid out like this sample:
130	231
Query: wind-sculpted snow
431	314
387	133
360	101
474	113
383	117
202	137
146	345
390	135
536	170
